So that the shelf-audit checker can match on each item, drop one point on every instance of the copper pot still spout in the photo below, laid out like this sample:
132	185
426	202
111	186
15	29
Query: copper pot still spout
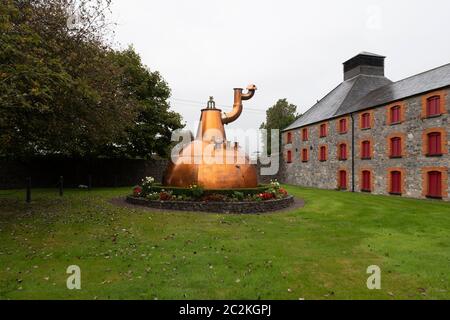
210	161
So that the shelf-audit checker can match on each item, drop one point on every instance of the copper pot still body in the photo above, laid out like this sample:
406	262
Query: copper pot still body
210	161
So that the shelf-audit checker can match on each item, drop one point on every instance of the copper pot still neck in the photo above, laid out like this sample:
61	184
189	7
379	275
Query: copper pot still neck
237	105
211	130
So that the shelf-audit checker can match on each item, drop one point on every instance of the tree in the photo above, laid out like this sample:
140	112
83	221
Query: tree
65	91
279	116
152	129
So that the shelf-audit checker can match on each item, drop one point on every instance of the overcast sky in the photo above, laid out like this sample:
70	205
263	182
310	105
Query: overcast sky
289	49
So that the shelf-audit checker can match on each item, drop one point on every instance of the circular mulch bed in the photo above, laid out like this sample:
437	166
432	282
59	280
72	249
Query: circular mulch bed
279	205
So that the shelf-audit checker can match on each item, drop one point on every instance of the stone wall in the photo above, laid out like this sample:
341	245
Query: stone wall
220	207
413	163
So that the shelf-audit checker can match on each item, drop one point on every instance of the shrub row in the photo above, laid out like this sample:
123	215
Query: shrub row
177	191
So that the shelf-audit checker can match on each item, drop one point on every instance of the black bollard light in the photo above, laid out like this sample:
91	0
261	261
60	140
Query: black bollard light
28	199
90	182
61	186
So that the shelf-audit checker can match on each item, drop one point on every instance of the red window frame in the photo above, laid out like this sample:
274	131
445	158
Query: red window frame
434	184
396	182
289	137
365	121
433	106
323	130
395	114
396	147
343	151
365	150
304	155
305	134
323	153
343	125
434	144
366	181
289	156
342	179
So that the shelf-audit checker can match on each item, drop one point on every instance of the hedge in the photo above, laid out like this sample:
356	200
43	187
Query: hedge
228	192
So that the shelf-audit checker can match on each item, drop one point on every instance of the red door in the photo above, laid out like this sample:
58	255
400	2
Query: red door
366	150
289	137
434	184
396	148
343	152
396	184
305	155
342	179
305	134
323	130
395	114
365	121
323	154
289	156
366	181
434	143
343	125
433	106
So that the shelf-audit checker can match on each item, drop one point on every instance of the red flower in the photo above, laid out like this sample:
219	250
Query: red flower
164	196
266	195
137	191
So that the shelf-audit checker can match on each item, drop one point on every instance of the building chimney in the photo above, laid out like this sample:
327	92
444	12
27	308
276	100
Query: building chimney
365	63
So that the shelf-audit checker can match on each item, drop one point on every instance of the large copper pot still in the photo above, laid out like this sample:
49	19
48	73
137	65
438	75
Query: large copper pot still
197	162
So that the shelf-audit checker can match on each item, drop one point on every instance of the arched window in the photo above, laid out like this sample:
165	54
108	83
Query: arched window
433	106
343	151
365	121
395	114
434	144
289	156
366	184
434	184
396	147
342	180
396	182
365	150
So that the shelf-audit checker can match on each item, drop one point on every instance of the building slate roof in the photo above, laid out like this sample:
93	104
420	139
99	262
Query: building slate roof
365	91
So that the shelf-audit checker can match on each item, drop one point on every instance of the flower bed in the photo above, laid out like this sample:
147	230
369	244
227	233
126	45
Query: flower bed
213	206
151	191
266	198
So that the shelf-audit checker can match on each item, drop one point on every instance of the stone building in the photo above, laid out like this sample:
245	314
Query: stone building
373	135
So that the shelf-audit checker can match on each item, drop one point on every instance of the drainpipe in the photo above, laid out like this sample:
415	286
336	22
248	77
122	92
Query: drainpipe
353	152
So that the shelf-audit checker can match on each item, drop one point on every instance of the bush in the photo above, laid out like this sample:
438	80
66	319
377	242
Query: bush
196	191
147	185
228	192
238	195
153	196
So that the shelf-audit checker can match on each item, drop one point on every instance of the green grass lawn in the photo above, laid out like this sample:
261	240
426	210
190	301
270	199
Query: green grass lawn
321	251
